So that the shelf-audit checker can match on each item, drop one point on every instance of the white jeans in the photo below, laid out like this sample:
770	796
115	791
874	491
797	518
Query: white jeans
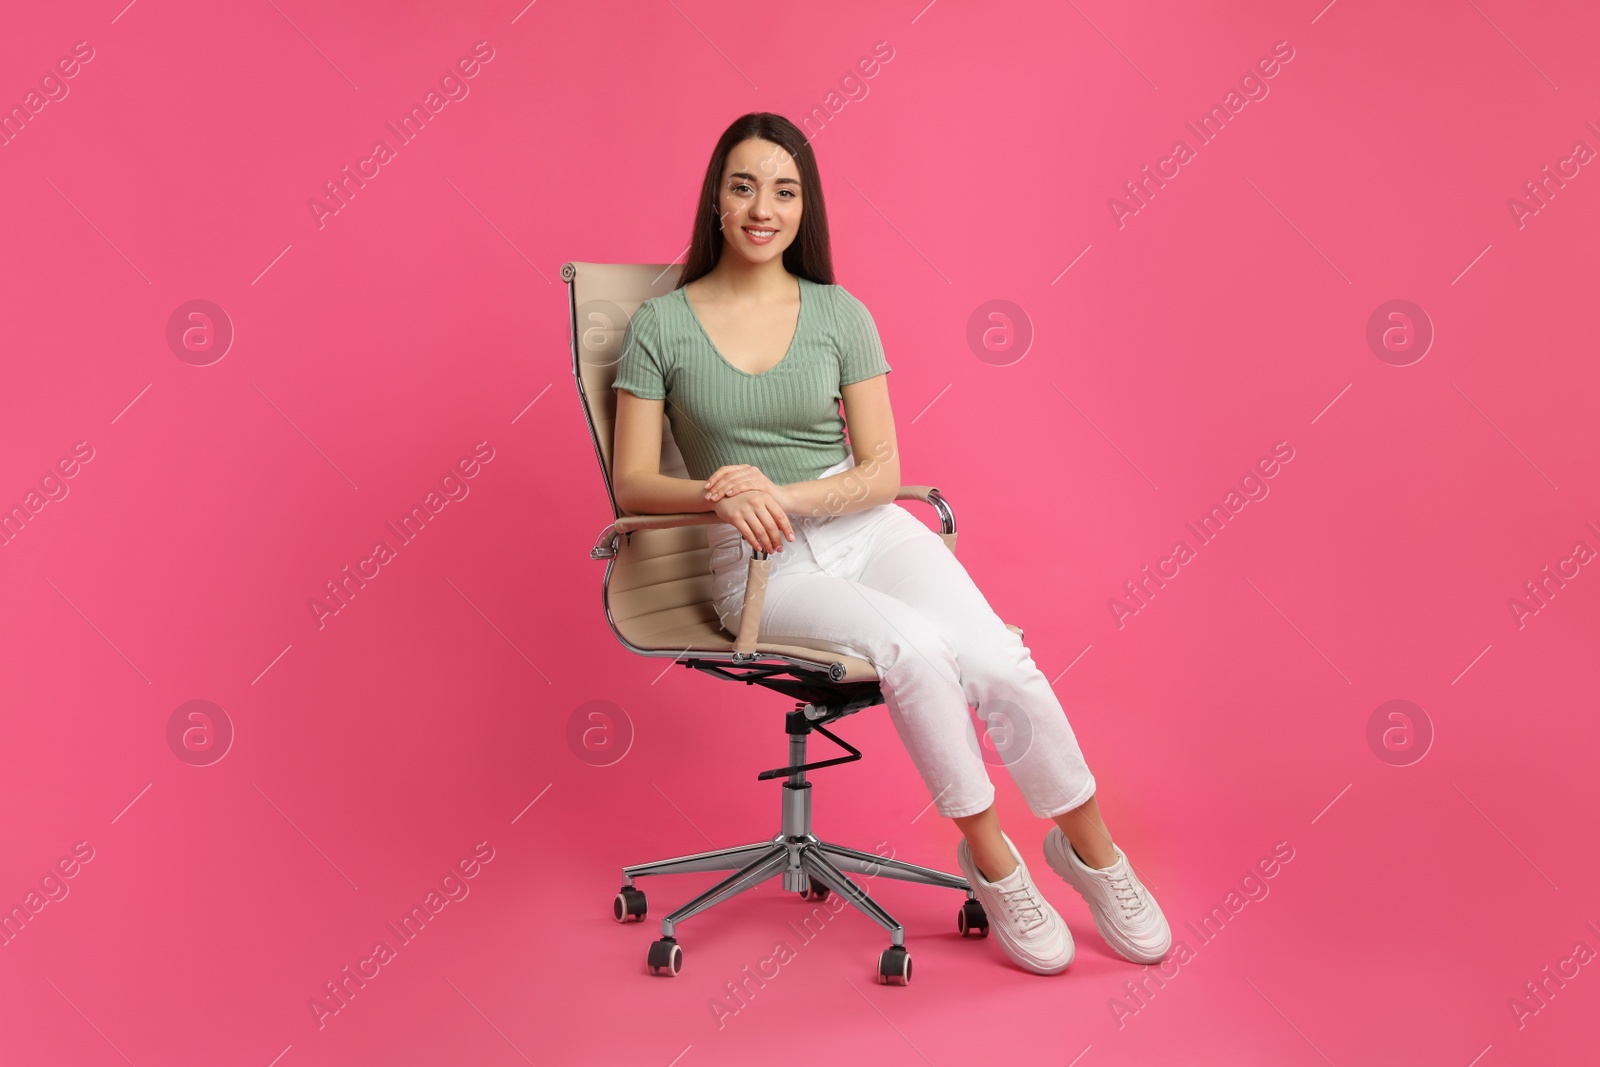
879	585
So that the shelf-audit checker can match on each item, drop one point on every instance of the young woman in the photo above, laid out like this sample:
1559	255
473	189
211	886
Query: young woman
750	357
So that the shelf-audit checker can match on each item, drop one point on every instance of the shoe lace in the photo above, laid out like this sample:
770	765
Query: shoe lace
1127	891
1024	906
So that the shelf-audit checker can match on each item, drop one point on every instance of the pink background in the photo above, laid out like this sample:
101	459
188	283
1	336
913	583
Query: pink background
374	351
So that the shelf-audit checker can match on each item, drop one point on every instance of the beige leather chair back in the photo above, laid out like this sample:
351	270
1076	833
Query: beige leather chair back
604	298
659	593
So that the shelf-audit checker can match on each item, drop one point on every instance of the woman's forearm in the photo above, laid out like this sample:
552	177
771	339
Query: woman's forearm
861	487
649	493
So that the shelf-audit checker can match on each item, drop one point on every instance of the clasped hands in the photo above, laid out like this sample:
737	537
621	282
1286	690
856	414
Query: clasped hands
747	499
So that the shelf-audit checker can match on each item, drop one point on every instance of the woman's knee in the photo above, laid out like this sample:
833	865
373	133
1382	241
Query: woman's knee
913	641
996	667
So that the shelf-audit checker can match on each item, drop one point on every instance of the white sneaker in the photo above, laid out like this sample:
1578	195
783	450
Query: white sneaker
1029	929
1125	913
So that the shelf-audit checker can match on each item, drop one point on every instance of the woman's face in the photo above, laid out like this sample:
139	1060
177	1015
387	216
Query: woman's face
759	201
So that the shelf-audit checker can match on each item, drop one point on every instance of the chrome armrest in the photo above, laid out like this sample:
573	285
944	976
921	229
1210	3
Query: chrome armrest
605	544
934	499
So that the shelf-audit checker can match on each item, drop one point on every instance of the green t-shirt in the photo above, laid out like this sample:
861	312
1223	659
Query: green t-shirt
785	421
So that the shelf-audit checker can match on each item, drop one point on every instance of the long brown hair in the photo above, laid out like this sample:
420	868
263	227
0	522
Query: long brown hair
809	255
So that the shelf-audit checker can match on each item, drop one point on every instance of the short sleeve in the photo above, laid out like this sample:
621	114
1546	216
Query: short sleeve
856	338
640	369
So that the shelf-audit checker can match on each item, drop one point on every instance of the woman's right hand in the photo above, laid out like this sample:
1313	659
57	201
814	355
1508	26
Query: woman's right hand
757	517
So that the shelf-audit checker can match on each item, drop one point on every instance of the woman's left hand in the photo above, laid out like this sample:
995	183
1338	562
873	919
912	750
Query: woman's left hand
742	478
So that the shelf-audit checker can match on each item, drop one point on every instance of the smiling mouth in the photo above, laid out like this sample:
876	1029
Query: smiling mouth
753	232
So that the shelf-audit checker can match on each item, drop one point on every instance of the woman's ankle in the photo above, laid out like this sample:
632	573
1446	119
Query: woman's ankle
987	843
1101	858
983	871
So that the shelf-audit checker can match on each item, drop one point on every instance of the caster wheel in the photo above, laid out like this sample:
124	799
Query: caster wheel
629	905
894	966
971	920
817	891
666	957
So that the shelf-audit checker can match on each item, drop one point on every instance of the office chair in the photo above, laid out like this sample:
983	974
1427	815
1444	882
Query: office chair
657	599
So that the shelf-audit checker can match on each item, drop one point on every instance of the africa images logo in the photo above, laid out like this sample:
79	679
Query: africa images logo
341	591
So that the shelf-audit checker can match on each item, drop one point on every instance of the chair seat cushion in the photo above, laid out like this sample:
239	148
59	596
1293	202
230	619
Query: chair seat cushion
711	637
